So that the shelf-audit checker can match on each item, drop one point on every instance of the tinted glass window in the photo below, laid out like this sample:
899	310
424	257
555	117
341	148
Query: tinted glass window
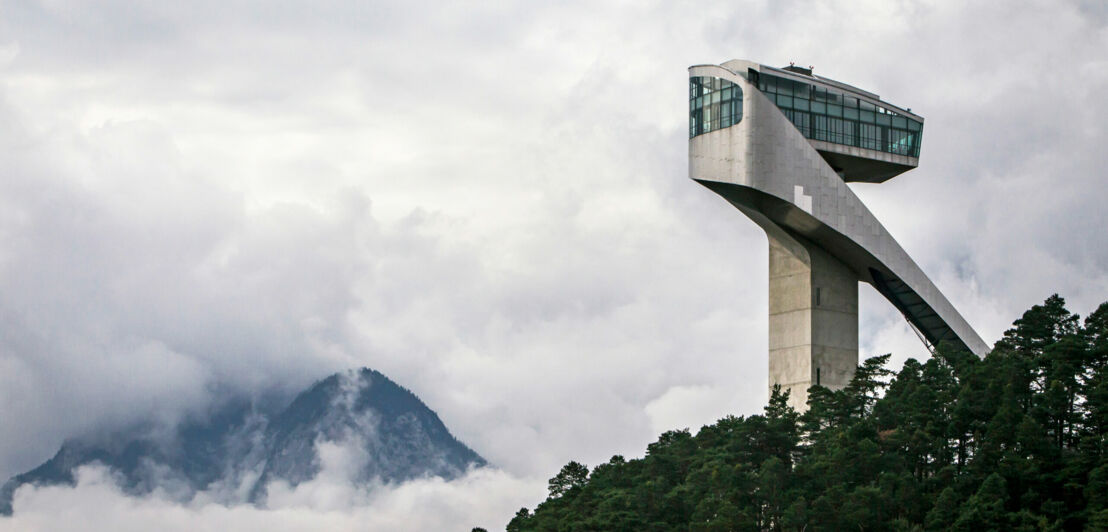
714	103
824	114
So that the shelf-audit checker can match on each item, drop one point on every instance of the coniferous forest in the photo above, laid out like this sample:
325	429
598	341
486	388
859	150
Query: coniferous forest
1014	441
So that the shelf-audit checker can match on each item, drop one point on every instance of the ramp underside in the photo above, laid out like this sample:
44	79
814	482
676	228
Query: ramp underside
915	310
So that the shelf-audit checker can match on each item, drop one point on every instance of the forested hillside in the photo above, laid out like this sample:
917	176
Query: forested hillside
1015	441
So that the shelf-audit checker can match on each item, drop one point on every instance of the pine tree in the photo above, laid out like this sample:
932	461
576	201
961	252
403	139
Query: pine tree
985	509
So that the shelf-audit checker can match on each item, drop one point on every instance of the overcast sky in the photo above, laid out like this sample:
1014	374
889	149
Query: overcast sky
489	204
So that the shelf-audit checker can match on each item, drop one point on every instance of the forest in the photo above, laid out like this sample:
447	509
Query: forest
1012	441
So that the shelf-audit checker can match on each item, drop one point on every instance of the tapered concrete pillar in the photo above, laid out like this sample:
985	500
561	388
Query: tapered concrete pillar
813	318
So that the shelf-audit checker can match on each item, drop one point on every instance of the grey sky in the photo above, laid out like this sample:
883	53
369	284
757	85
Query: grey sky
489	203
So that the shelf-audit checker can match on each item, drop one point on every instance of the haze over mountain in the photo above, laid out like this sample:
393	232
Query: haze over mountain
242	447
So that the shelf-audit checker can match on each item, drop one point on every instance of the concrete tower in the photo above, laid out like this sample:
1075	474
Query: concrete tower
781	145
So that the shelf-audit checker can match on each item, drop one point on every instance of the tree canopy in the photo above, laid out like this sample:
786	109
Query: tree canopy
1014	441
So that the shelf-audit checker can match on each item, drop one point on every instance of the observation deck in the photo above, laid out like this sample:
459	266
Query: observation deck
862	138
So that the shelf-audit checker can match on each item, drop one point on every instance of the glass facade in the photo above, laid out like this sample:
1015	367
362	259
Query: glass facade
837	117
714	103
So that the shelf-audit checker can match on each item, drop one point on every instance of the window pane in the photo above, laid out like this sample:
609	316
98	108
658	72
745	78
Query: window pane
819	126
785	86
801	121
802	90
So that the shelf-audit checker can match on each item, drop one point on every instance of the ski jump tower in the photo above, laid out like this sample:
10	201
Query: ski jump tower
780	144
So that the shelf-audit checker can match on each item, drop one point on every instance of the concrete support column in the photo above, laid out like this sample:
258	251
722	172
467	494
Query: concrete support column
813	318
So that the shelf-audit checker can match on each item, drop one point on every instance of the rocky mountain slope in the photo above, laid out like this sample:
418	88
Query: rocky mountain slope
237	450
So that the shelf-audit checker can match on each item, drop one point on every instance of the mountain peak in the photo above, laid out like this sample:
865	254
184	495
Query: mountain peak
239	450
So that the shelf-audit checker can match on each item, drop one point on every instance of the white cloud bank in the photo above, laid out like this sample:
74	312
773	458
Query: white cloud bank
487	498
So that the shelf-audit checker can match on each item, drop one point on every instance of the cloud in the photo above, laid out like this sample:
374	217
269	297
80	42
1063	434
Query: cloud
489	205
485	497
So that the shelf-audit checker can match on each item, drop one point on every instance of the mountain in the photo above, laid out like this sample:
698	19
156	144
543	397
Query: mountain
235	451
